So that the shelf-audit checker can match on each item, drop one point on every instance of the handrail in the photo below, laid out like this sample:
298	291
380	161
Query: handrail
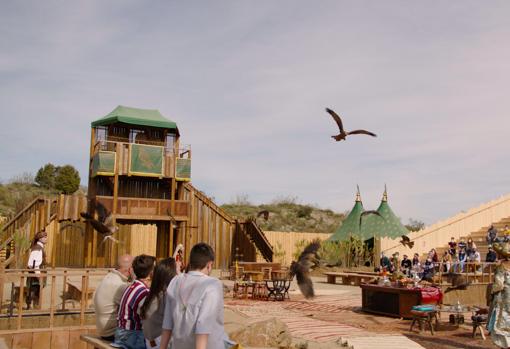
24	210
175	151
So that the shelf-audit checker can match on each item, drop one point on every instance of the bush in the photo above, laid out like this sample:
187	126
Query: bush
67	179
304	211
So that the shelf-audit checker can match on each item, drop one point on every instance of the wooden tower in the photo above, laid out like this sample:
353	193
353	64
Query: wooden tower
137	171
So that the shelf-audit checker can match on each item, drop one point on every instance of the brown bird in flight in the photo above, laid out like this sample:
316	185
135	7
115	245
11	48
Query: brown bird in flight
343	134
407	242
264	214
308	260
104	222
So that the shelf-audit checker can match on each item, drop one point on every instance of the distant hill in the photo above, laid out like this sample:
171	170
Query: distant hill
287	215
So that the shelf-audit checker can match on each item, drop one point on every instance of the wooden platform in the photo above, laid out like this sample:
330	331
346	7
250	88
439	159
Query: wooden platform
47	338
95	341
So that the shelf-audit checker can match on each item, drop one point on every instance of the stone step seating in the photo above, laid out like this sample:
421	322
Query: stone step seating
478	237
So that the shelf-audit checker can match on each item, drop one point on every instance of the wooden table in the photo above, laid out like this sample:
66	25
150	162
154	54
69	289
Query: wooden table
391	301
253	275
257	266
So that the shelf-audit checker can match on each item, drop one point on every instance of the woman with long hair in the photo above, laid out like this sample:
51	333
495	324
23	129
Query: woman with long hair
153	308
36	261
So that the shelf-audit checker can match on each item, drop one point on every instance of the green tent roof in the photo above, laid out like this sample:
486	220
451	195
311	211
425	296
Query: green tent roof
135	116
389	226
350	225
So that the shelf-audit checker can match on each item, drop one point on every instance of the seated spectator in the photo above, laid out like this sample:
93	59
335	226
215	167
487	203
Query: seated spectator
462	260
492	235
416	259
462	244
447	261
491	255
452	246
385	262
471	247
128	334
475	260
395	263
406	265
107	297
153	308
506	233
428	270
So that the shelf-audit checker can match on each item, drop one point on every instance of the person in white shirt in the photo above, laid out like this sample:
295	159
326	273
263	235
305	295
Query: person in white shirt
193	316
108	294
36	261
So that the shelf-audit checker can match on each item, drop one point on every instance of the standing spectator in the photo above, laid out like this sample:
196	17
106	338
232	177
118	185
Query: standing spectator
428	270
153	308
452	247
462	260
471	247
36	261
194	306
492	235
447	261
107	297
179	258
395	263
128	334
406	265
491	255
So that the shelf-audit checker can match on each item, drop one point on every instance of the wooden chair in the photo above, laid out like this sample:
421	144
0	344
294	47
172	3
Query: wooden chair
236	276
480	318
266	273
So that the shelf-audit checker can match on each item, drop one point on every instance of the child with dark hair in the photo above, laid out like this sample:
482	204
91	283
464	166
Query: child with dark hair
129	333
194	306
153	308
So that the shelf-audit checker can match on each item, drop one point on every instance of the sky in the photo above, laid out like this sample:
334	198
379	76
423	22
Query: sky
247	83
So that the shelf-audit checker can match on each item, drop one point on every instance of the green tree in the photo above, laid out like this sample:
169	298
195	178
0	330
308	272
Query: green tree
46	176
415	225
67	179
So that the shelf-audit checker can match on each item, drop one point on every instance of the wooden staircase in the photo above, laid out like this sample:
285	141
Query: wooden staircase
31	219
479	238
259	239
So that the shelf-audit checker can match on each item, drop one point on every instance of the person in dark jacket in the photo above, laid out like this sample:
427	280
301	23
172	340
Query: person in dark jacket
491	255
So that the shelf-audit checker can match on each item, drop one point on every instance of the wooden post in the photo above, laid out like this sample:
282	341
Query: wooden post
20	301
116	184
52	300
82	301
2	283
64	291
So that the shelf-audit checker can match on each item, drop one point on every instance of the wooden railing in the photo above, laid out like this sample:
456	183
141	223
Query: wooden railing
122	151
68	285
31	219
482	272
256	235
144	208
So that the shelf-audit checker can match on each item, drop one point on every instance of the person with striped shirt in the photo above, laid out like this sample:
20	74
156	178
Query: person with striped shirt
128	334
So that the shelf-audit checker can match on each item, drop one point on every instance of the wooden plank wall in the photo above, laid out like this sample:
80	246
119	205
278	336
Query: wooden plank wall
56	338
286	242
207	222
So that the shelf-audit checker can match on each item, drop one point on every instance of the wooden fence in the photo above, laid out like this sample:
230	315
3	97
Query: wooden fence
284	243
46	338
66	291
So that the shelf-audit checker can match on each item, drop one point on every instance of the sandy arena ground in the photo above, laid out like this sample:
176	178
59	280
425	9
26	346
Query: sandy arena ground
334	316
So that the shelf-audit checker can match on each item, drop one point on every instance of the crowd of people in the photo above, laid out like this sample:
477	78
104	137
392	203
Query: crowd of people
461	256
148	304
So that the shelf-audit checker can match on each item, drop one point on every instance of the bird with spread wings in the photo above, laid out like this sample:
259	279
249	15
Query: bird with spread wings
343	134
406	241
104	223
301	268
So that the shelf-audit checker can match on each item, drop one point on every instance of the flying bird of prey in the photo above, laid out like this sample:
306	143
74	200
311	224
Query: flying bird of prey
343	134
263	213
308	260
104	222
458	282
406	241
366	213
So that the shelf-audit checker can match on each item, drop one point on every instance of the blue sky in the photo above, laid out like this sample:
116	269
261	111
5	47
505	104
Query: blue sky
248	81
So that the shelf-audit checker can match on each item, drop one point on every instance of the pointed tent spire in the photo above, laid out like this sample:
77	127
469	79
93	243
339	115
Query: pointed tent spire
350	225
358	195
385	194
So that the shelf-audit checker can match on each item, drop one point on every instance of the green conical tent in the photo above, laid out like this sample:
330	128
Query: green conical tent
350	225
388	225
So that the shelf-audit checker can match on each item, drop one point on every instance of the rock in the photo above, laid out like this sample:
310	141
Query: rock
271	333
